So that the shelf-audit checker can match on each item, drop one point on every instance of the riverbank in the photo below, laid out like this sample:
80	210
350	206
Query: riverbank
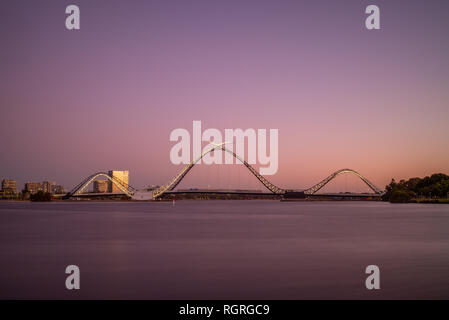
442	201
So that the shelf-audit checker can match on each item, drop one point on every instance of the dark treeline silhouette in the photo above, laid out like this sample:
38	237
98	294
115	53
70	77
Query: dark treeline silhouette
41	196
433	187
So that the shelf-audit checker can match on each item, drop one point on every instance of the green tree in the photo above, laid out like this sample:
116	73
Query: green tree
437	185
41	196
401	196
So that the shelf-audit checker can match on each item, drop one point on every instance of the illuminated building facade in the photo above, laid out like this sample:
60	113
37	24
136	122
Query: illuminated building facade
122	176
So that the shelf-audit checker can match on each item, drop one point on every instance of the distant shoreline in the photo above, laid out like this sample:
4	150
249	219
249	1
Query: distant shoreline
416	201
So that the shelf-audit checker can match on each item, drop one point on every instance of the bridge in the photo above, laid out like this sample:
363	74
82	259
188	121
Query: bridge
168	189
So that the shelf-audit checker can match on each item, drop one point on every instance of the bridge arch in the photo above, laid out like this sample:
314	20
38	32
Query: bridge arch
322	183
140	195
128	190
178	178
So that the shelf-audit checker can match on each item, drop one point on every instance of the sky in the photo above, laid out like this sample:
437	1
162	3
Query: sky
107	96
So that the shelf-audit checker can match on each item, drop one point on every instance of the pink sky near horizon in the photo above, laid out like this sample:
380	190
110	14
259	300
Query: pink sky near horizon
108	96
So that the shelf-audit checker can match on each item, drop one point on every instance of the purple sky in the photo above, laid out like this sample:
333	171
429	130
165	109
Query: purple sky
108	96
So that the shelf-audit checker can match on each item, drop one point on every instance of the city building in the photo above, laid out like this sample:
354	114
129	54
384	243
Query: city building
48	186
33	187
122	176
101	186
58	189
9	186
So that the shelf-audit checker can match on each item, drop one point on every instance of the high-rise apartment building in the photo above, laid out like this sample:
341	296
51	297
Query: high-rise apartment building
33	187
122	176
58	189
101	186
9	186
48	186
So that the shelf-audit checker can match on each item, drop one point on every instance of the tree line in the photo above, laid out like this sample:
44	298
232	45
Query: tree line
435	186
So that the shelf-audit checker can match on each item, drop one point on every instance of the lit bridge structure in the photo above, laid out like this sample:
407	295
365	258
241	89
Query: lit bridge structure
168	189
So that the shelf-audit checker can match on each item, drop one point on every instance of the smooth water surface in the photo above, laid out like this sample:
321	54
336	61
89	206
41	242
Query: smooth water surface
224	249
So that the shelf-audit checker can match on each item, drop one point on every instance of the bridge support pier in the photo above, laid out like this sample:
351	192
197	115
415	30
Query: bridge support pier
142	196
294	195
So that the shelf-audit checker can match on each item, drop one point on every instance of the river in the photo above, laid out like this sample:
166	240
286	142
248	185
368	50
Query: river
224	249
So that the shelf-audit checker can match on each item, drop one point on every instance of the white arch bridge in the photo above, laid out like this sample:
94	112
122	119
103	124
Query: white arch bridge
169	187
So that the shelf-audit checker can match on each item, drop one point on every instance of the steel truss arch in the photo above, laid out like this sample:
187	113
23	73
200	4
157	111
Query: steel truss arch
178	178
127	189
322	183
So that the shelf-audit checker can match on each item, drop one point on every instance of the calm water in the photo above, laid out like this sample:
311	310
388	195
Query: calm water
224	249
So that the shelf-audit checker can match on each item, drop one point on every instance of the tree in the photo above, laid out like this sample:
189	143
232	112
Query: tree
41	196
401	196
403	191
